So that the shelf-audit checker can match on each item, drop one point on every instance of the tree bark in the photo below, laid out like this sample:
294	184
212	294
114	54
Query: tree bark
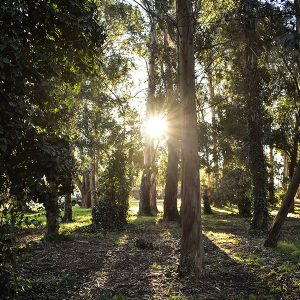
86	195
244	207
84	187
170	200
297	13
153	193
206	203
255	119
93	186
271	177
52	211
68	208
171	188
148	183
274	233
192	253
144	204
294	154
214	135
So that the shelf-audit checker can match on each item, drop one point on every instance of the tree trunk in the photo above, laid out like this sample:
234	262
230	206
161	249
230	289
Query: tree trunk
144	205
294	155
153	193
68	209
148	183
52	211
244	207
84	187
297	11
214	135
170	200
255	120
93	186
271	177
206	203
192	252
274	233
171	188
86	192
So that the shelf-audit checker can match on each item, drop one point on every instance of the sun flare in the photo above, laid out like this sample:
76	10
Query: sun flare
156	127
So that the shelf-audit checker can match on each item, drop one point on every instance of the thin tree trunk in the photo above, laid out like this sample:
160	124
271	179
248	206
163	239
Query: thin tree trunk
170	200
206	203
52	211
214	135
255	120
297	11
148	184
192	253
86	195
271	177
144	204
244	207
171	188
93	185
68	208
84	187
274	233
294	155
153	193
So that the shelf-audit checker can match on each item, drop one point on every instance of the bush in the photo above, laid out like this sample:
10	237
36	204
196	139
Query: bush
11	218
234	188
110	213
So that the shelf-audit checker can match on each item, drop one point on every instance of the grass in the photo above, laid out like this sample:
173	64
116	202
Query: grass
81	216
290	250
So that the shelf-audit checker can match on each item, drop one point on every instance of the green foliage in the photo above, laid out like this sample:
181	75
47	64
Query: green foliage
111	210
234	188
45	48
290	249
10	218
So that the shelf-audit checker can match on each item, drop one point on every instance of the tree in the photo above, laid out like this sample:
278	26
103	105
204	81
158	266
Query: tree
287	201
173	115
44	48
191	259
254	108
148	182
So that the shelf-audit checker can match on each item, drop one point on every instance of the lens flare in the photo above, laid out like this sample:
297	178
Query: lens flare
156	127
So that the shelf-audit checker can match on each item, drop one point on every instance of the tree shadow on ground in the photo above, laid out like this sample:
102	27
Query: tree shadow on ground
105	266
53	270
224	278
152	273
126	268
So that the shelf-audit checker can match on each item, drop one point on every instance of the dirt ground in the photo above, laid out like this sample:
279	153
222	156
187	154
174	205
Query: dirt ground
115	266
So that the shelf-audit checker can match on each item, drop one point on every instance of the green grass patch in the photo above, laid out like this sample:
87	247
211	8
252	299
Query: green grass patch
291	250
39	284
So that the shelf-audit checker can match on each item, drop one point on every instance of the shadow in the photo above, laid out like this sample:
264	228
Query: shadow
101	267
126	267
224	278
55	270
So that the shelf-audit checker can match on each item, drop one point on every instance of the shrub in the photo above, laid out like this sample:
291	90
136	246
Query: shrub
110	212
11	217
234	188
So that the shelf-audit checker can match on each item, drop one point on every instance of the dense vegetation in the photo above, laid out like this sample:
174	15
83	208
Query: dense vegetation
118	118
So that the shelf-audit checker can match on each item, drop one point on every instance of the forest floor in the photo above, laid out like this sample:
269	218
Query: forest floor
102	266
